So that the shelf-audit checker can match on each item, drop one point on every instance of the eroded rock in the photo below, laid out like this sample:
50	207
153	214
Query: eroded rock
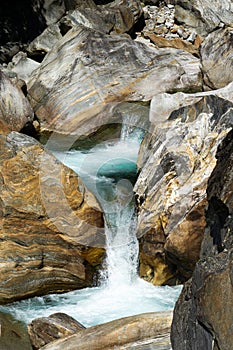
15	110
204	15
202	316
217	57
176	160
51	236
87	74
44	330
125	333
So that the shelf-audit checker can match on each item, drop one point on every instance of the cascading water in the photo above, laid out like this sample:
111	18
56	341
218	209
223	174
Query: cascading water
121	292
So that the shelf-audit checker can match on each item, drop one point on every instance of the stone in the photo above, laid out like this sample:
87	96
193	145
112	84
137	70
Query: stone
13	334
216	57
44	330
15	111
203	314
134	332
51	234
176	42
204	16
22	66
84	89
175	162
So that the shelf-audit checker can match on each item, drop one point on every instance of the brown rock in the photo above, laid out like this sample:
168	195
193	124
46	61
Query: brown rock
125	333
176	43
15	111
50	223
44	330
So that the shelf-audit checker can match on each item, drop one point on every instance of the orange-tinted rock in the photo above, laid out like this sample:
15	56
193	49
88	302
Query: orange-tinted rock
50	223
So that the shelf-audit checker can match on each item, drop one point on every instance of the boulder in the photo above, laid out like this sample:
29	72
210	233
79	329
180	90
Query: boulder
81	80
44	330
217	57
204	16
51	236
15	111
134	332
203	314
175	161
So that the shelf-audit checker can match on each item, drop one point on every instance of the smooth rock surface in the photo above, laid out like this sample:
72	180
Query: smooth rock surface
203	314
51	235
217	58
204	15
15	110
44	330
125	333
13	334
176	160
87	74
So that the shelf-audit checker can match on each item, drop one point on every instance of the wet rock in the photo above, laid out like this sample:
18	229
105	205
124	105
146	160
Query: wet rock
15	111
126	333
51	237
87	74
216	56
204	15
202	316
175	162
46	329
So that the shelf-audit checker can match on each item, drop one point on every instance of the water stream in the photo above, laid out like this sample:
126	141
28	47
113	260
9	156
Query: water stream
108	170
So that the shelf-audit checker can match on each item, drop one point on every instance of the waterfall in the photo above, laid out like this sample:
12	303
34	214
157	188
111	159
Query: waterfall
109	171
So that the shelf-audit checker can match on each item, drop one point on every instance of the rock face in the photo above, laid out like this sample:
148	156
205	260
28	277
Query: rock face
134	332
203	314
13	334
176	160
86	74
46	329
50	233
217	57
204	15
15	110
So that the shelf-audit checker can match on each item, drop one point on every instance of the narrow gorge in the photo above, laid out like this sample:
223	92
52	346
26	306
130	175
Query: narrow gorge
116	175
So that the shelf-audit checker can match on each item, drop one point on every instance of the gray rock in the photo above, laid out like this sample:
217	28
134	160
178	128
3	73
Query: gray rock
175	162
204	15
217	58
203	314
22	66
88	73
15	110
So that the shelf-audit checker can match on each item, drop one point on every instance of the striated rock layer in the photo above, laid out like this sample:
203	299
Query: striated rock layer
135	332
88	73
50	233
176	160
203	316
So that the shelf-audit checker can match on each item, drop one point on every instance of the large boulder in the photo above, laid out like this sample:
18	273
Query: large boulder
51	237
203	15
175	162
142	331
81	79
203	314
217	57
15	110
